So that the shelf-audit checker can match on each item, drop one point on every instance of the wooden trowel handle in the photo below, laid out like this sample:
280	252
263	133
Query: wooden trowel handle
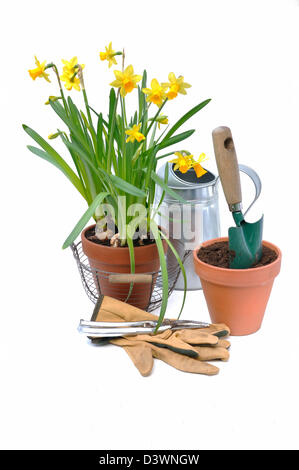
227	164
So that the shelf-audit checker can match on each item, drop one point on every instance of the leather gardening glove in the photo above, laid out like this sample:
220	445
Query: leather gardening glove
143	352
219	350
143	348
183	349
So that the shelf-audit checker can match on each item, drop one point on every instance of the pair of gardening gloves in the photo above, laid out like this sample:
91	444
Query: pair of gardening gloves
186	350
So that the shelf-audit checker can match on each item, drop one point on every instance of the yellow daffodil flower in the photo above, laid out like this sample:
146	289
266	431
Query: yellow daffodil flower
70	66
39	71
125	80
175	85
182	162
69	72
156	94
199	170
109	55
134	134
70	81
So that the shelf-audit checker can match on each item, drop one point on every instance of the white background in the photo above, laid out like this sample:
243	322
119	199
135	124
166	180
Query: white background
59	392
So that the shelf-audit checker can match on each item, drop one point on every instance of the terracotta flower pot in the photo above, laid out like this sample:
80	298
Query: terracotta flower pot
237	297
106	260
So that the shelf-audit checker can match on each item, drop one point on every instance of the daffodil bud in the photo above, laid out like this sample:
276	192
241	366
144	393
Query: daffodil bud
52	98
162	119
54	136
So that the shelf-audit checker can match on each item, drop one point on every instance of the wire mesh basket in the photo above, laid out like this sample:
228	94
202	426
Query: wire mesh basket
141	290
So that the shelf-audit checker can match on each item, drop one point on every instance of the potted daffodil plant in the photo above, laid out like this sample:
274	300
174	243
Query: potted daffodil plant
113	160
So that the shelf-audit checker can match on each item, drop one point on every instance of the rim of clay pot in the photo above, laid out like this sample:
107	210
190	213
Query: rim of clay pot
228	276
122	251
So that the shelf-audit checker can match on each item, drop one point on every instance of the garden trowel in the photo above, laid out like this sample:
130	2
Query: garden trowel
245	240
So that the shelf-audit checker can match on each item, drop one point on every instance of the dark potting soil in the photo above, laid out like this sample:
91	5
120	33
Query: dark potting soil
218	254
90	235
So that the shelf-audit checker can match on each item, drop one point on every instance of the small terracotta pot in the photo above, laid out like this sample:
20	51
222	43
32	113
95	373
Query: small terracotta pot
237	297
107	259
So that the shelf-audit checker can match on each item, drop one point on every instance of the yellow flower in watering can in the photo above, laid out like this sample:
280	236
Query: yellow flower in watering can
185	162
199	170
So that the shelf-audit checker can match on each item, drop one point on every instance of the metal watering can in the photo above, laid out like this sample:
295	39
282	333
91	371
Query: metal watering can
196	221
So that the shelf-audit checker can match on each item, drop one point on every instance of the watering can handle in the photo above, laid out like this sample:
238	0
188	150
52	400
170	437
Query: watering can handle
256	181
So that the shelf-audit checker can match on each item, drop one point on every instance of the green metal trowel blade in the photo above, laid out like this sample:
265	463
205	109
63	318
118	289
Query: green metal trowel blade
246	242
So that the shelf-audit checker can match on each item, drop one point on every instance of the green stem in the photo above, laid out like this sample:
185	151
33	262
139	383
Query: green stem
156	115
60	88
144	112
87	107
162	134
80	75
112	133
94	111
123	110
153	135
164	155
